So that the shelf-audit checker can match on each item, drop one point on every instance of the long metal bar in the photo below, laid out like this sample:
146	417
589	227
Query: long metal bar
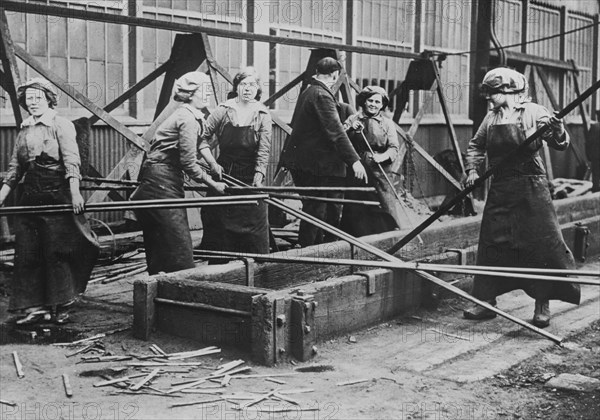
387	257
508	159
42	9
325	199
138	204
246	188
405	265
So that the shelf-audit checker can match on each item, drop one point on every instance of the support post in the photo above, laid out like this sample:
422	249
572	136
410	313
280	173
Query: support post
144	308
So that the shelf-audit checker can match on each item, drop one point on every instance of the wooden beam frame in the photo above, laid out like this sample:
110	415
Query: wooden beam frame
10	75
80	98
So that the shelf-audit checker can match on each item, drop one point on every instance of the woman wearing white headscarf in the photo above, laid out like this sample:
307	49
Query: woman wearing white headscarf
173	153
519	227
54	254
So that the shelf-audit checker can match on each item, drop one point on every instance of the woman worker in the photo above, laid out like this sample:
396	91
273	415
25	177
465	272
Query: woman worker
369	125
519	226
54	254
242	128
173	153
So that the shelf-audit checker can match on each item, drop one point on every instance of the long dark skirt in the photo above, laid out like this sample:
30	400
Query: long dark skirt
360	220
167	238
54	254
520	229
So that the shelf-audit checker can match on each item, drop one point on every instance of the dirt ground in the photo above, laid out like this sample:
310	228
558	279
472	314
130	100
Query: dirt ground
366	356
362	376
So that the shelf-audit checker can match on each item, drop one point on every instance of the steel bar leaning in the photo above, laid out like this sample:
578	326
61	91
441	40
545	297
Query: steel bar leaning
383	264
390	258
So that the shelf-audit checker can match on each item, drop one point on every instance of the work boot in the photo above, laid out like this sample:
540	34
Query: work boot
479	312
541	316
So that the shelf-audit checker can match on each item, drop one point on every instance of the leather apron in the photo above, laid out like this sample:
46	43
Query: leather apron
519	227
167	239
242	228
54	254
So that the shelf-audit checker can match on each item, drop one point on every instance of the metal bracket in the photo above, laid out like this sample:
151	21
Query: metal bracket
371	281
462	255
303	337
249	263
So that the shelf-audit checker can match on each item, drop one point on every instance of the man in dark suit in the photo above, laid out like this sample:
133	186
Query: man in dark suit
318	150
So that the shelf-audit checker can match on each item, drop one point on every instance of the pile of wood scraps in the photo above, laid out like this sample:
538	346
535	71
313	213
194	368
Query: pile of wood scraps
181	375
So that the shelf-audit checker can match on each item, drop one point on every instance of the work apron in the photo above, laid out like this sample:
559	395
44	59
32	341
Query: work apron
242	228
360	220
519	227
167	239
54	254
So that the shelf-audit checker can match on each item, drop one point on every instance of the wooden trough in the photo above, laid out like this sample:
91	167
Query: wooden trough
276	310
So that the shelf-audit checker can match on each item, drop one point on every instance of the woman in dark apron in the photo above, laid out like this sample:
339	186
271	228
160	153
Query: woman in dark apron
369	123
242	130
519	226
54	254
173	153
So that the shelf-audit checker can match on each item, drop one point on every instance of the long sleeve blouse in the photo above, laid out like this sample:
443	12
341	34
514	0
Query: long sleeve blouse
50	141
379	131
529	116
261	124
179	133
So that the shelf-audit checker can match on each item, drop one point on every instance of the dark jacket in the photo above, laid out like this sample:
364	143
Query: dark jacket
318	143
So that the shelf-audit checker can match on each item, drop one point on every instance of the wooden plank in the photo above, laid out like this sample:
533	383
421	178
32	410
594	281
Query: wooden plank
9	64
80	98
284	90
144	311
42	9
133	90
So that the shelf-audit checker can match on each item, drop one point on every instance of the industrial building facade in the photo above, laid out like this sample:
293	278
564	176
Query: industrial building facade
102	60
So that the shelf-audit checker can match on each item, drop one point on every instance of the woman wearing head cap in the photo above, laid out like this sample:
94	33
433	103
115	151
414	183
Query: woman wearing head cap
241	127
173	153
54	254
519	226
369	125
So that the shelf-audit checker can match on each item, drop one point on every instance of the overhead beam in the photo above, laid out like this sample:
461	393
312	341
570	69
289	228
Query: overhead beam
41	9
80	98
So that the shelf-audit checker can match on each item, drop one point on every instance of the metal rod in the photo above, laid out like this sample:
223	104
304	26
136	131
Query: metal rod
390	258
391	265
507	160
138	204
204	307
325	199
245	188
